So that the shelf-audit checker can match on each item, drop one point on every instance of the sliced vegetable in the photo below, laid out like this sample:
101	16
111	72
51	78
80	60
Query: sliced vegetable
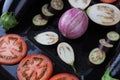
39	21
35	67
64	76
102	47
107	76
104	14
8	20
47	38
97	56
73	23
104	43
56	5
82	4
113	36
66	54
108	1
12	49
45	10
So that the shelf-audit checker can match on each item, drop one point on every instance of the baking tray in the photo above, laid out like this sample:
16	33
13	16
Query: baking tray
82	46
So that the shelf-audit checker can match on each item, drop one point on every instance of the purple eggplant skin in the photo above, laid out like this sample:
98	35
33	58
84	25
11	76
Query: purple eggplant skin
115	67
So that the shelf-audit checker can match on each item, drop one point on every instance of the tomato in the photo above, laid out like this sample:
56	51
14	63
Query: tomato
64	76
35	67
12	48
108	1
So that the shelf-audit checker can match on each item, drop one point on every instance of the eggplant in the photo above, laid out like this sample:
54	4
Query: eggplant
38	20
112	36
107	76
66	54
104	43
47	38
115	67
104	14
6	5
45	10
14	12
55	6
97	56
82	4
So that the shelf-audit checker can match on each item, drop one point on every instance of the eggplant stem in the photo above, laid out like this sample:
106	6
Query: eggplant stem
73	67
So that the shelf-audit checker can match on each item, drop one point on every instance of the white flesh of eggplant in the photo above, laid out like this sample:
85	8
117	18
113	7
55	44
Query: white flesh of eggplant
104	43
66	53
45	10
104	14
82	4
39	21
57	4
113	36
97	56
47	38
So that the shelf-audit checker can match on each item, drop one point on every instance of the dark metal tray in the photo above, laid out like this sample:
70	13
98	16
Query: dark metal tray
82	46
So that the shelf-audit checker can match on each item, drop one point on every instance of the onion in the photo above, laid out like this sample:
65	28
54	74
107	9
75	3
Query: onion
73	23
104	14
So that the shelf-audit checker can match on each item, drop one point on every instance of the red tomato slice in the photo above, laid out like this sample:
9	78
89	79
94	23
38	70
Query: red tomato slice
12	49
108	1
35	67
64	76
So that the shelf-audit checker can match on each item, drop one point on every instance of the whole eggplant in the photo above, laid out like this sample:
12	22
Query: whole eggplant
115	67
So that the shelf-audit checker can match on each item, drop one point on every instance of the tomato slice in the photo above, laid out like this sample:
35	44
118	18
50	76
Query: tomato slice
64	76
108	1
12	48
35	67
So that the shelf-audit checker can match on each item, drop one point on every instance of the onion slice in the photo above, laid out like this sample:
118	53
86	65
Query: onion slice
104	14
47	38
66	54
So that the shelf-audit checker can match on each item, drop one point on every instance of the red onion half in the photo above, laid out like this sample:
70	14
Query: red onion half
73	23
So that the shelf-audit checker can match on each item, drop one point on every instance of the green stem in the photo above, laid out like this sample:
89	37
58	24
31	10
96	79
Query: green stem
73	67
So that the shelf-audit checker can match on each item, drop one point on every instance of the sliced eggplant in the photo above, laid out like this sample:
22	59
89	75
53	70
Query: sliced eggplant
56	5
113	36
66	54
47	38
45	10
104	14
104	43
101	47
97	56
39	21
82	4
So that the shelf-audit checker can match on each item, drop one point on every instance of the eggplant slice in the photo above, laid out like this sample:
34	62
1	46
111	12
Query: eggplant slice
82	4
47	38
97	56
104	14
